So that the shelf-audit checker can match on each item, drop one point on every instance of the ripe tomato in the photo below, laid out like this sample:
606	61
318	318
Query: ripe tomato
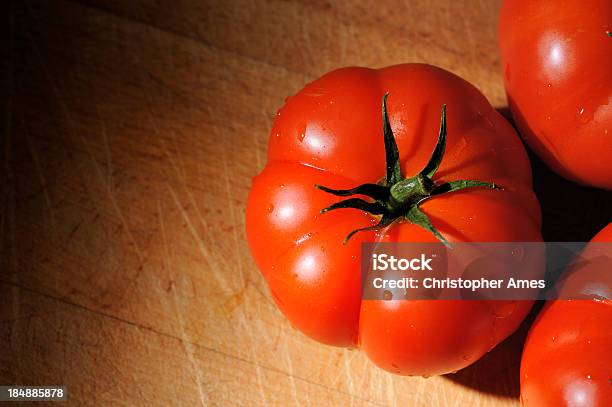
557	59
330	133
567	360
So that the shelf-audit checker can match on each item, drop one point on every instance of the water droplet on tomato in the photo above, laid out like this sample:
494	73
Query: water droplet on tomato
585	115
517	253
270	208
301	137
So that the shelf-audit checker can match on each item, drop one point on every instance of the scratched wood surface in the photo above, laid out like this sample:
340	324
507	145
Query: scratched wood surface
131	132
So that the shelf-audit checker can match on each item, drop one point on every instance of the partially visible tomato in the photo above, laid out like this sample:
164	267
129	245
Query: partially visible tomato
331	133
557	59
567	360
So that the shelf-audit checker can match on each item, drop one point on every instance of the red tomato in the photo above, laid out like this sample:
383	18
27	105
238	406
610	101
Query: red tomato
567	360
557	59
330	133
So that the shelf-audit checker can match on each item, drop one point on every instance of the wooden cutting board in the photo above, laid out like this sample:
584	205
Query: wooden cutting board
132	130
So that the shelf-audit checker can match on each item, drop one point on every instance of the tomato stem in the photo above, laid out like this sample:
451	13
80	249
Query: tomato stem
396	197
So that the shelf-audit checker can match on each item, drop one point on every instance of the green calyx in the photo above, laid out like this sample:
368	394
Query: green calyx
396	197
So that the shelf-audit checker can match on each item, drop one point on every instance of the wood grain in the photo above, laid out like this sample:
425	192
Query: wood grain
132	132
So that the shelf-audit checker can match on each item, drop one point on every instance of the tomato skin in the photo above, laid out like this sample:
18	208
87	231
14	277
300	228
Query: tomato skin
330	133
567	359
556	62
